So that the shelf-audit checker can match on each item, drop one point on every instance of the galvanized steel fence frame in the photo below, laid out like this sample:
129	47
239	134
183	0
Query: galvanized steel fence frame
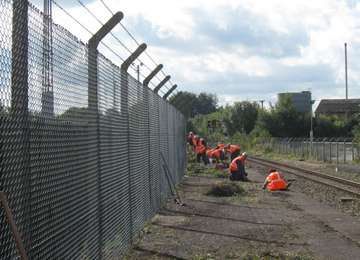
81	167
335	150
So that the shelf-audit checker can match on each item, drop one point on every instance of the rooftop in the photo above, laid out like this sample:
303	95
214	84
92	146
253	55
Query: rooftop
338	106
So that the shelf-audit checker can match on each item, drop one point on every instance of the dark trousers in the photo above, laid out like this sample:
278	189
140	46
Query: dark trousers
204	158
239	175
234	155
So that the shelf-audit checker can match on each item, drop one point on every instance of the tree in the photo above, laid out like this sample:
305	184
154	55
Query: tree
184	102
242	118
205	104
191	105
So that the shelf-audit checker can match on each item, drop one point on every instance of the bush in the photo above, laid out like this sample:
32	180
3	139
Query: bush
225	189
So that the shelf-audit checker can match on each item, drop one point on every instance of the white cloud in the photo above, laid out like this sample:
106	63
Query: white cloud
253	47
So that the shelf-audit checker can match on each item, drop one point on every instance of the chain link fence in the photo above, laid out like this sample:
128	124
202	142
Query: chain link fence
81	181
337	150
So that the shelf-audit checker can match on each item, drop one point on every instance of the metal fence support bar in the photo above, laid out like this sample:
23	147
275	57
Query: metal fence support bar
125	110
93	105
19	145
146	90
169	92
14	229
344	151
152	75
162	83
140	49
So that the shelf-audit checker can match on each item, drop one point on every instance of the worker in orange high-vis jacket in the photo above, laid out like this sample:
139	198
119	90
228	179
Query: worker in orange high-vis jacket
237	168
220	146
195	141
218	155
233	150
274	181
200	151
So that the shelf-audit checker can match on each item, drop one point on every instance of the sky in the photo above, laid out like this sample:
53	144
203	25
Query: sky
237	49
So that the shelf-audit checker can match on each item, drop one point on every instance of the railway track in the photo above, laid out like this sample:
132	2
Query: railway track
338	183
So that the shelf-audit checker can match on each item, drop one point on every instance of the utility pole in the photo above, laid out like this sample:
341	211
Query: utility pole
138	71
262	104
346	73
47	98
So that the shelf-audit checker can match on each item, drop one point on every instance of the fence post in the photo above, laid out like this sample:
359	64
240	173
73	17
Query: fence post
94	119
16	152
125	110
344	151
337	155
146	89
330	148
352	150
324	154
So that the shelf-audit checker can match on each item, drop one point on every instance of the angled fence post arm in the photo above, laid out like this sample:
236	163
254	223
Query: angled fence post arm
161	84
169	92
152	75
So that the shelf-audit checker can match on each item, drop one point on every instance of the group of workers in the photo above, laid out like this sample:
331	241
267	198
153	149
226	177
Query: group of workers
218	156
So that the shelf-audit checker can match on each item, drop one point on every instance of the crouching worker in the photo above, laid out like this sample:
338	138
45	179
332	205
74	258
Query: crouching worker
274	181
233	150
201	152
237	168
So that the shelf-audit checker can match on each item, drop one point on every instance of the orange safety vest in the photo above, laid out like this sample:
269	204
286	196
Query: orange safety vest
209	153
275	182
233	165
200	149
216	153
220	146
195	139
234	148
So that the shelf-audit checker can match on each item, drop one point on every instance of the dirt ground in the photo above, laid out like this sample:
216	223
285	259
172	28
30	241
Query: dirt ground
254	225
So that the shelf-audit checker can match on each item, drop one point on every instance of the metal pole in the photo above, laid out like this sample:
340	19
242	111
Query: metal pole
94	117
337	156
344	151
13	227
147	98
125	111
17	149
346	73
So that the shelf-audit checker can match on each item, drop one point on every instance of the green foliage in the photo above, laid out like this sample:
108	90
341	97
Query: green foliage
334	126
243	116
283	120
191	104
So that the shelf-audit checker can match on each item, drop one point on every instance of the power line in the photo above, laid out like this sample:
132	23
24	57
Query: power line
112	34
91	33
86	29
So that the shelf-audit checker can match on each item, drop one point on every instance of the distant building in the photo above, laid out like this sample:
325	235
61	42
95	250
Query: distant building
338	107
300	100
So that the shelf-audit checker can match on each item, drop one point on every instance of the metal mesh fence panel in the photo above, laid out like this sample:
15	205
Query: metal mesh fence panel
82	178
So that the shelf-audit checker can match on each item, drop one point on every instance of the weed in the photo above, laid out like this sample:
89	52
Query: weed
225	189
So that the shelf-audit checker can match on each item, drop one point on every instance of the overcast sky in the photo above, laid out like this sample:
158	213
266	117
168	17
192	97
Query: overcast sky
238	49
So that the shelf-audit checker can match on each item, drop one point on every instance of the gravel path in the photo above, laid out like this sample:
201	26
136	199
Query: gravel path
256	225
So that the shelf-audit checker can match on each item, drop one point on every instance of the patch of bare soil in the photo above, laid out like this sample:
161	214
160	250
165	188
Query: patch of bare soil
253	225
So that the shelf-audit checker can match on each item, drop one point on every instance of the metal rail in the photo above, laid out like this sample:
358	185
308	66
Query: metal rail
308	174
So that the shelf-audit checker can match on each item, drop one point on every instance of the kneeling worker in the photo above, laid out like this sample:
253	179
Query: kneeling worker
274	181
233	150
237	168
